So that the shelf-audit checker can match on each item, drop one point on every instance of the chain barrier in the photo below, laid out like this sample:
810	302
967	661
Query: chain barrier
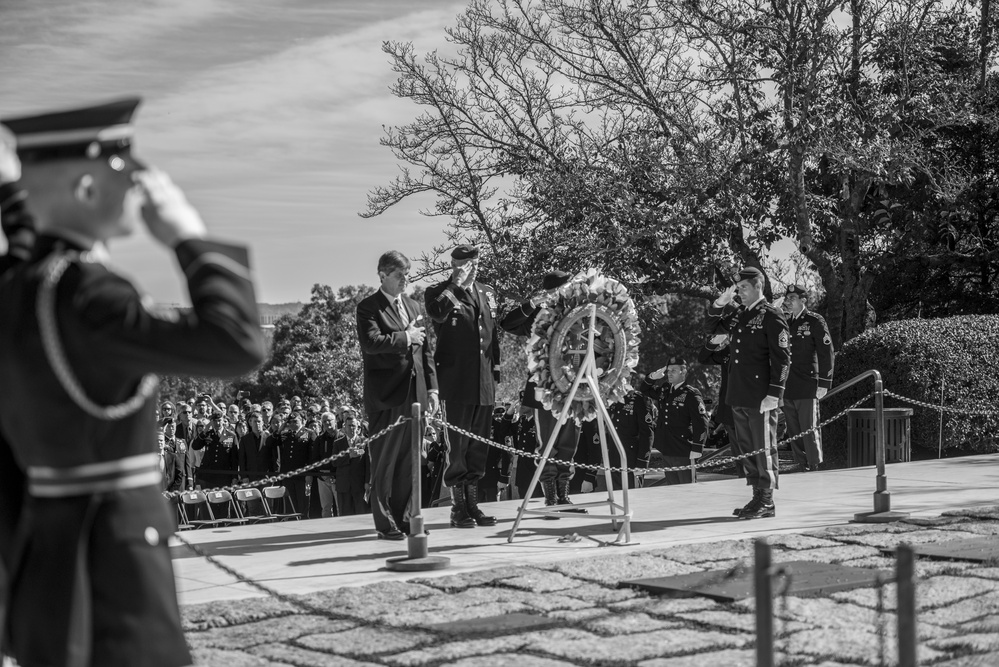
294	473
714	463
942	408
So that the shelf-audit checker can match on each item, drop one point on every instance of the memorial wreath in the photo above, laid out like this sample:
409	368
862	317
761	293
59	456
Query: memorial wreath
557	346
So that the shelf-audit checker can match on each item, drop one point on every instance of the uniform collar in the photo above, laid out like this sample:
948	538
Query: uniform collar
756	303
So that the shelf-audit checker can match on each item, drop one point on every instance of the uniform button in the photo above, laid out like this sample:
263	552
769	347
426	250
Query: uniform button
757	377
736	361
152	536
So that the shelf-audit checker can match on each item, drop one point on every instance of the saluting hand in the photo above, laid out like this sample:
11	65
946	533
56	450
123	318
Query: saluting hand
169	216
726	297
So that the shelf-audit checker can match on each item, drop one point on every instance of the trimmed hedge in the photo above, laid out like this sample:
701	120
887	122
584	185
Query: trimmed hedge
914	358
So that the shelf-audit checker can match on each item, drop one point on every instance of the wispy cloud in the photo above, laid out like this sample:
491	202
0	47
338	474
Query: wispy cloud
267	114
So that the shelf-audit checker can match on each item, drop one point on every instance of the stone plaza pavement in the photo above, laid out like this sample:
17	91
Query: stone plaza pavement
552	597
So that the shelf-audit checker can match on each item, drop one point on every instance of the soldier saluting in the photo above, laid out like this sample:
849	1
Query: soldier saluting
92	578
757	370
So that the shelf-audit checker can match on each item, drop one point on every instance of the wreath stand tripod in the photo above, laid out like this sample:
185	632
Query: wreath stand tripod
588	374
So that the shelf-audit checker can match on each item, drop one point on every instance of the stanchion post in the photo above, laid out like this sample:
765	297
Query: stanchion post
417	558
905	578
763	582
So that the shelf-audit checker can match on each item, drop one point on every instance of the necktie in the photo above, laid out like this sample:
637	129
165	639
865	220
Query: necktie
402	311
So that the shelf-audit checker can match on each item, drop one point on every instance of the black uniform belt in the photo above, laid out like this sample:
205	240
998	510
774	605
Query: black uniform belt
130	472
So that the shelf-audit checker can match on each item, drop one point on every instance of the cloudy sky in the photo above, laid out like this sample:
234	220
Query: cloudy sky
267	114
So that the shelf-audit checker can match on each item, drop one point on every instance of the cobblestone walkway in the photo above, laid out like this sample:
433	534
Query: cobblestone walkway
583	618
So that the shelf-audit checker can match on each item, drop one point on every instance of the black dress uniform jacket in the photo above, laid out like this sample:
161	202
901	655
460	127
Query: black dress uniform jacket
811	356
110	340
468	352
683	420
760	356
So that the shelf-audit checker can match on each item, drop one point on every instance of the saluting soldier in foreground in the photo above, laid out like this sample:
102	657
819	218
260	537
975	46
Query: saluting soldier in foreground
467	358
757	370
92	578
810	377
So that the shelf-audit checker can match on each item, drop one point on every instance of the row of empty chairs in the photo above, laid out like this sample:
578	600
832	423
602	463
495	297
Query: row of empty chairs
215	509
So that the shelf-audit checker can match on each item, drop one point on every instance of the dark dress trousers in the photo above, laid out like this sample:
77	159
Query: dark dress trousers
467	361
92	578
396	375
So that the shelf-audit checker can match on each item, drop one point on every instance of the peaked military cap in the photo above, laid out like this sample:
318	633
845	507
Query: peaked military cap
465	251
104	130
554	279
796	289
750	272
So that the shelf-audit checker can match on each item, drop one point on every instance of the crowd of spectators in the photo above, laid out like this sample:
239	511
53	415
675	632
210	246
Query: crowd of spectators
207	444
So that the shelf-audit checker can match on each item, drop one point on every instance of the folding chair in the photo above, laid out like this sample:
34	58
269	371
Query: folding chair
182	522
197	502
225	510
255	510
272	493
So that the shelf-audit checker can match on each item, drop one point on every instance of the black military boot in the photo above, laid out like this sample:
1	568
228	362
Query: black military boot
459	510
764	508
551	497
472	506
751	504
562	486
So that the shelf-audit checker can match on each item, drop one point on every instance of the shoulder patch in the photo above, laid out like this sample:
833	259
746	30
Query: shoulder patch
826	340
782	338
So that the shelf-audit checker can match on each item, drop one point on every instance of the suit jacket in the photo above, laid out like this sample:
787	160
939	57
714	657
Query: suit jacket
351	473
258	455
468	352
391	364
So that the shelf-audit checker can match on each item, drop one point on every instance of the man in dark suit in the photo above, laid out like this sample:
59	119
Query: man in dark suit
353	470
467	358
92	576
398	372
258	457
757	370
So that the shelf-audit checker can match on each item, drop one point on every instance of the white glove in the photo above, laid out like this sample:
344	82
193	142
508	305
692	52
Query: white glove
695	455
769	403
820	392
586	487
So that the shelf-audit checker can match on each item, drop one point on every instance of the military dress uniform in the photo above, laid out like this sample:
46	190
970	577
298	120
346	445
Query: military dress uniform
220	457
91	552
811	368
681	425
758	367
467	360
92	578
296	452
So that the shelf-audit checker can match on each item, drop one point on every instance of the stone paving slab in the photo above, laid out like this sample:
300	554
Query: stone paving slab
591	621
